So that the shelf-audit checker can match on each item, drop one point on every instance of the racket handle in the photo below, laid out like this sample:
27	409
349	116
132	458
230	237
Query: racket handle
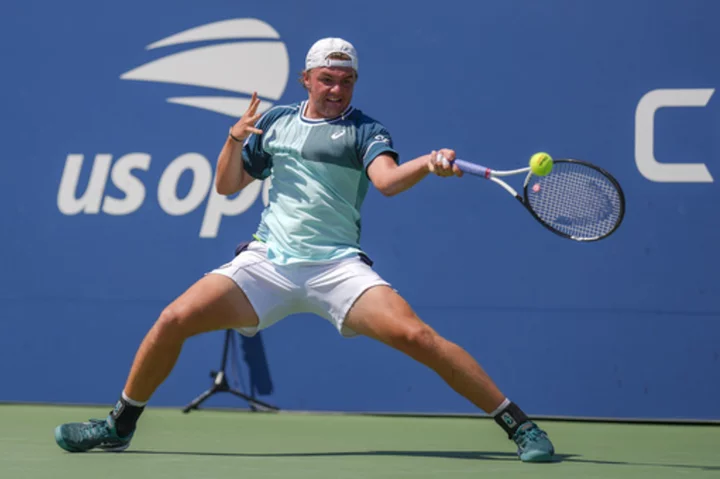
472	168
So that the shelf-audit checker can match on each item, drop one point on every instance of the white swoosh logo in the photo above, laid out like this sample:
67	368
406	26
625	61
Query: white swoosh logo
337	135
237	67
223	30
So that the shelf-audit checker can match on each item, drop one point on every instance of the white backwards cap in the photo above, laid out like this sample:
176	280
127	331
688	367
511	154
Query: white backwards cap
318	54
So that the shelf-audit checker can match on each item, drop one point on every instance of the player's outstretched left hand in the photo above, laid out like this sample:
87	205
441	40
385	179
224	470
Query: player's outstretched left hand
440	164
245	126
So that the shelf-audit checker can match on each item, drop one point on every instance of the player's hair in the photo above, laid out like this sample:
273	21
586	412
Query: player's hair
332	56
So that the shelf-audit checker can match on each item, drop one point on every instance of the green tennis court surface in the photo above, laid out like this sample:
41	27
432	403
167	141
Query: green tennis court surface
236	444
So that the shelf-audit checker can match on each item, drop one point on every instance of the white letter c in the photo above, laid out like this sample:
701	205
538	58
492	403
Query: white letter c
649	167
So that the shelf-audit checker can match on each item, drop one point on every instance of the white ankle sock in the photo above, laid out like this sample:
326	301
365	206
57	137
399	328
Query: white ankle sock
502	406
132	402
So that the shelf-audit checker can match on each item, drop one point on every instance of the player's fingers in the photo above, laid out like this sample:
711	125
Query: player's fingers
257	131
445	163
254	102
449	154
457	171
444	166
249	120
439	165
438	169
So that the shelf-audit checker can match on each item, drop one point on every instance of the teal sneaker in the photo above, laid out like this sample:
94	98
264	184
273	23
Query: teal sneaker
83	436
533	443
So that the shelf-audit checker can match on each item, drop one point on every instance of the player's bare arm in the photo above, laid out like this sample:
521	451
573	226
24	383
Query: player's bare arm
231	176
391	178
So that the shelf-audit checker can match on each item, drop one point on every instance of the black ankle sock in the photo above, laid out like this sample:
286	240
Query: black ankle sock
126	416
510	419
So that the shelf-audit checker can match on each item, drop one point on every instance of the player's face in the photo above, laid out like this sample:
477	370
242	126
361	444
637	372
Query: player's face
330	90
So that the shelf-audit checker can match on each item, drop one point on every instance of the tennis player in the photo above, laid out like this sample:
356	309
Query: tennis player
321	154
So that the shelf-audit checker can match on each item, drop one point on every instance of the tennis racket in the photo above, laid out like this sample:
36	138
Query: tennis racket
576	200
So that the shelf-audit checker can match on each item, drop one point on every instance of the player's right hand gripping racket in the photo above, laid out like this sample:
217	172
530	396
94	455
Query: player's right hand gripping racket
577	200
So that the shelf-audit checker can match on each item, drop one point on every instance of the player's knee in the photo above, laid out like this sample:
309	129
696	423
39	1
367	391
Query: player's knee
172	322
418	340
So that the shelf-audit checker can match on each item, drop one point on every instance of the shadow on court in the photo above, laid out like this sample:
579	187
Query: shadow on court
486	456
479	455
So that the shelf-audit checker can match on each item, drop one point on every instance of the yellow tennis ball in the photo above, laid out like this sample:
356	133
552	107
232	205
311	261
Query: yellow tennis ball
541	164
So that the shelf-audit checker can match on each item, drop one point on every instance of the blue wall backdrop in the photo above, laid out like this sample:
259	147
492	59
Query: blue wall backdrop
112	115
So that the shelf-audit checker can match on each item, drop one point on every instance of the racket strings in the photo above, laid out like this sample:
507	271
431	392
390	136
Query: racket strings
576	200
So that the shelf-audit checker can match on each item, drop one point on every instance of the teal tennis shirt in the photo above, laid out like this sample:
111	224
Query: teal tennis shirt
317	170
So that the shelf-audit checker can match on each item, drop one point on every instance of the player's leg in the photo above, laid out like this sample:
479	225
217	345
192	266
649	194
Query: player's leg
215	302
382	314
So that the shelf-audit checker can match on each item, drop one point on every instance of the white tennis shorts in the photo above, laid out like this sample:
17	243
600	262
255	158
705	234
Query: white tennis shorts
327	289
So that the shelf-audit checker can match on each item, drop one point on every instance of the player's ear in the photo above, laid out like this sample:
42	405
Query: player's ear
306	79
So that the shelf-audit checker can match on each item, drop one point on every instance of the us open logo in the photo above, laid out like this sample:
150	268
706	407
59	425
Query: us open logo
236	57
